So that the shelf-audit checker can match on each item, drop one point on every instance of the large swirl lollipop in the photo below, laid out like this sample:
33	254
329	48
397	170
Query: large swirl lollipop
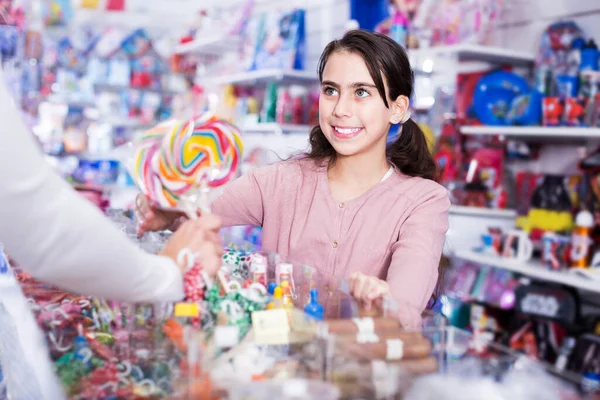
177	161
191	160
194	157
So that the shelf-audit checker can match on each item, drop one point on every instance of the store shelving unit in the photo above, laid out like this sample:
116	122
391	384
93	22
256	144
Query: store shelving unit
131	123
534	132
265	75
474	52
276	128
468	224
532	269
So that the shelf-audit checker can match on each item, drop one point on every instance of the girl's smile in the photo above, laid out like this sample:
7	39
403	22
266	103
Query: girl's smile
342	132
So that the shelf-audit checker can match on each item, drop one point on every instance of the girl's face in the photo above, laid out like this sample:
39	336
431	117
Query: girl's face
352	114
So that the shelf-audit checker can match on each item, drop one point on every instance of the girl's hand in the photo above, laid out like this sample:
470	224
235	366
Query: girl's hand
151	218
200	236
367	289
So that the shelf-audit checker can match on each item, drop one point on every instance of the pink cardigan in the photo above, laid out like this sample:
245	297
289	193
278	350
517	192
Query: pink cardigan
394	231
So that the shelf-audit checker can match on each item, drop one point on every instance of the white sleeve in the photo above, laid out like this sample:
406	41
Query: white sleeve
61	238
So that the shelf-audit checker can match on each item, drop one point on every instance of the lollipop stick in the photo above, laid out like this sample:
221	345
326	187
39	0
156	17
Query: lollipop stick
188	205
203	203
203	200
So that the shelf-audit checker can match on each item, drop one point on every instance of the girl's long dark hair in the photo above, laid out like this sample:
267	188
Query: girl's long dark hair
384	58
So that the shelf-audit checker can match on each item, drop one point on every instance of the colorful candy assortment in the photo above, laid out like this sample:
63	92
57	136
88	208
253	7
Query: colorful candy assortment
105	349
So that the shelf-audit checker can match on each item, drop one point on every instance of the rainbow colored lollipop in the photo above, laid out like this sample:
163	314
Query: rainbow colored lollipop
177	160
210	151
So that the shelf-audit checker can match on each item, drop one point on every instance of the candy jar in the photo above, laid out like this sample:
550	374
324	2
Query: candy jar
258	269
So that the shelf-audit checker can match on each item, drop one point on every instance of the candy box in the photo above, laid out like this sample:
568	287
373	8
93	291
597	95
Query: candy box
281	41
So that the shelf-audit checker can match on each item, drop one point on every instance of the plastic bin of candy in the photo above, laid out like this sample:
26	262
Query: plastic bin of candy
100	349
437	364
433	363
469	364
308	351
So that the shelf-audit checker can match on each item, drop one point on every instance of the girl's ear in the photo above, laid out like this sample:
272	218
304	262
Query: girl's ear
399	107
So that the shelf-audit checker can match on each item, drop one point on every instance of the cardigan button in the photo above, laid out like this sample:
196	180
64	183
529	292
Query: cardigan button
335	245
341	205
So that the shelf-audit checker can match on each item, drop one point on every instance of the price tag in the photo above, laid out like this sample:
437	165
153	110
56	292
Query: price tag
226	336
271	326
187	310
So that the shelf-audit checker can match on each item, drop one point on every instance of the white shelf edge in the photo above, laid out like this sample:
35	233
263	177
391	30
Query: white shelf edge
532	269
276	128
534	131
483	212
210	45
266	74
476	52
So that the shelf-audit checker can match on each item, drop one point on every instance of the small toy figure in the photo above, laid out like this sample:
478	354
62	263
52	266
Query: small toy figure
552	111
574	112
448	155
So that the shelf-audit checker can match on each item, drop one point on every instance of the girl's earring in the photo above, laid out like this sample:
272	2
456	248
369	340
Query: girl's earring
396	119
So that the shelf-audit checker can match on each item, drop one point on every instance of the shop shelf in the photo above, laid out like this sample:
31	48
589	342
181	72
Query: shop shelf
533	269
482	212
535	132
265	75
212	45
131	123
119	88
276	128
475	52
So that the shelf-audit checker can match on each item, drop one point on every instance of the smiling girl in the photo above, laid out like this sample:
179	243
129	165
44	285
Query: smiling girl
350	207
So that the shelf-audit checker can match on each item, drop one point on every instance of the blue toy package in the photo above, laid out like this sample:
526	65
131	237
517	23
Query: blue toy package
69	57
494	95
32	78
100	172
281	41
9	40
136	44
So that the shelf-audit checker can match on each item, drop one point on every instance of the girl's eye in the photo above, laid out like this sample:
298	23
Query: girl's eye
329	91
362	93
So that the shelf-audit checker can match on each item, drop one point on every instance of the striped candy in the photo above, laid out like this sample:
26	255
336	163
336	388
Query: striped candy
171	159
209	148
143	171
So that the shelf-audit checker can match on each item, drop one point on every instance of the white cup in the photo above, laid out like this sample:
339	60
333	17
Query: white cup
517	246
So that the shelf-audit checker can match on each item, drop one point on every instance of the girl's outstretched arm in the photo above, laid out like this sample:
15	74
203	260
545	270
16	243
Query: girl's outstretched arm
413	271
